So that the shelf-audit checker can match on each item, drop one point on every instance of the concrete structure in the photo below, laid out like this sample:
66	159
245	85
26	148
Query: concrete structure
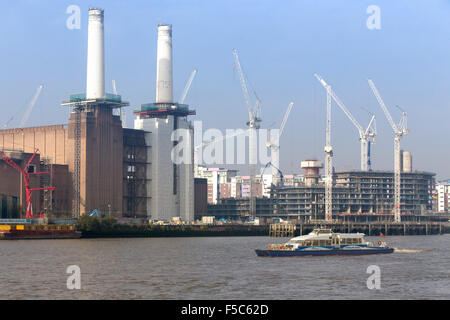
312	174
406	161
362	192
171	184
201	198
239	209
443	196
220	182
136	194
354	192
95	76
164	77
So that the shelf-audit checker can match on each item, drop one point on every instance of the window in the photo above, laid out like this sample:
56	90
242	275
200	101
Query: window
131	169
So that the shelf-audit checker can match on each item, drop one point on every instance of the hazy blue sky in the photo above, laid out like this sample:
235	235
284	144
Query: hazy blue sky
281	45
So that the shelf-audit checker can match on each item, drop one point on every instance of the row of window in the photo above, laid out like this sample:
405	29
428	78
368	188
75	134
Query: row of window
327	242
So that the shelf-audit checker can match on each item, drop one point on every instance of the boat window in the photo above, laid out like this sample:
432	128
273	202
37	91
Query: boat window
324	242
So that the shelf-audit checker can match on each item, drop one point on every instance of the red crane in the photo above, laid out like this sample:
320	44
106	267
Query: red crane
26	177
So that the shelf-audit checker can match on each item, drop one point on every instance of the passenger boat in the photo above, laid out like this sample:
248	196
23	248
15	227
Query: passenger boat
321	242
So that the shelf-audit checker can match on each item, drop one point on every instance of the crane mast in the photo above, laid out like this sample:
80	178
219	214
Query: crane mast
254	124
328	162
188	86
365	136
30	107
275	147
399	131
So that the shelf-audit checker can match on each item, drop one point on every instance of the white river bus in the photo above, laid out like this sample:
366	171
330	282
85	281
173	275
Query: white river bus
322	242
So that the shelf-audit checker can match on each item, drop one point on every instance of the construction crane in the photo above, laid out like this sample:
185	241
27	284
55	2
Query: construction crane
366	136
30	107
254	115
270	164
121	113
399	131
25	172
187	87
328	156
5	126
275	147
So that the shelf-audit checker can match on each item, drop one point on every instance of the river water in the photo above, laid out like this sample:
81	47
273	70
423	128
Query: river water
218	268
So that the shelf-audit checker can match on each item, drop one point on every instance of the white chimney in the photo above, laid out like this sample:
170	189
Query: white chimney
164	87
95	83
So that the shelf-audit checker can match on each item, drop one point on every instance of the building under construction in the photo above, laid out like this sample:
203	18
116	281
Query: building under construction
354	192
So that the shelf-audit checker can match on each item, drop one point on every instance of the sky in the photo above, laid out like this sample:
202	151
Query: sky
281	45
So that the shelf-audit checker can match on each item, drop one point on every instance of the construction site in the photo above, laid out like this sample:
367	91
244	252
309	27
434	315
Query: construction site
95	164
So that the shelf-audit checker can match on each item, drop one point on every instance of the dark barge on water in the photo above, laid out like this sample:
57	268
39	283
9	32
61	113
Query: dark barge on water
38	231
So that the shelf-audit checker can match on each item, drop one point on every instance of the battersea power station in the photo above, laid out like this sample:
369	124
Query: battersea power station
93	162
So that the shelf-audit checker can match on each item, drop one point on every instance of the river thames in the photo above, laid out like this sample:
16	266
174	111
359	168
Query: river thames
218	268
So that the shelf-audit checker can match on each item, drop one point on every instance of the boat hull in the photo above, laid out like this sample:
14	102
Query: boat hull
333	252
44	234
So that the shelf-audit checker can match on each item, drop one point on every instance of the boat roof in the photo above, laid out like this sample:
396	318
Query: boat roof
325	234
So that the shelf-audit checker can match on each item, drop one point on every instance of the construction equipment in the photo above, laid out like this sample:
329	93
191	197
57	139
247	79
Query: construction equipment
399	131
254	115
77	109
121	113
30	107
5	126
365	136
187	87
94	212
270	164
328	156
275	147
25	172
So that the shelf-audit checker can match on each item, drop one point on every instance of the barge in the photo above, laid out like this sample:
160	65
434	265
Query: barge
38	231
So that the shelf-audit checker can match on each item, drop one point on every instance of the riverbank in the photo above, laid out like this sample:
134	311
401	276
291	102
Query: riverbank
145	231
93	227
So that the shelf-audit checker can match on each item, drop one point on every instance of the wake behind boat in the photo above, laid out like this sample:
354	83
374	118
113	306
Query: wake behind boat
321	242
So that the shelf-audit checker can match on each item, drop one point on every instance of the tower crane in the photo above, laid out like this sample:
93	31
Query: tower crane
254	115
30	107
366	136
122	113
328	156
399	131
275	147
188	86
